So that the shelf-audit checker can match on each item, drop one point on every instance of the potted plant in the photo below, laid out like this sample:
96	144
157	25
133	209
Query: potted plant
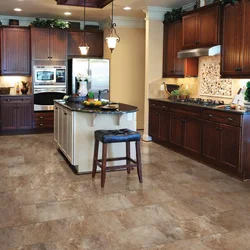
90	96
174	95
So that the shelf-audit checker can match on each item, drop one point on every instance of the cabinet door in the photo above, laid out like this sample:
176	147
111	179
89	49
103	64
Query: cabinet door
58	44
74	40
177	125
64	131
189	25
40	44
210	144
231	45
69	136
56	122
9	116
208	27
60	126
245	52
230	138
192	135
154	122
24	116
15	51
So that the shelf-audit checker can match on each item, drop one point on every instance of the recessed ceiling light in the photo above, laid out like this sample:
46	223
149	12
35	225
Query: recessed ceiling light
127	8
67	13
17	9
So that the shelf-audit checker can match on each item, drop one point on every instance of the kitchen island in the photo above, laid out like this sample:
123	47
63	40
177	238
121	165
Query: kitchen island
74	127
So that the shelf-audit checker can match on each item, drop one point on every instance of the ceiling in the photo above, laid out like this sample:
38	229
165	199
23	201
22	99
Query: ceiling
50	9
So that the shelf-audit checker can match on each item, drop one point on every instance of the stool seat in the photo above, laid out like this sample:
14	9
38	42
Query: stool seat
120	135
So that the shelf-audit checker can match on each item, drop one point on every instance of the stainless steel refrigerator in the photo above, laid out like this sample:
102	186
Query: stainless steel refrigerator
97	71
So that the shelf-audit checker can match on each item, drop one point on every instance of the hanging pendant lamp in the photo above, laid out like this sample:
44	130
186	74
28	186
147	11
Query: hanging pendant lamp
84	48
112	37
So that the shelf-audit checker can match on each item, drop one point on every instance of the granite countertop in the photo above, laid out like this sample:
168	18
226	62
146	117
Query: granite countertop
244	112
122	108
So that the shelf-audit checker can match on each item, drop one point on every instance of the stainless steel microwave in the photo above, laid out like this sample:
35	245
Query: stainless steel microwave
49	75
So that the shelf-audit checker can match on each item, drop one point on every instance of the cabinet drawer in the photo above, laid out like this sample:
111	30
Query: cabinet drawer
16	99
44	120
158	104
185	110
43	115
222	117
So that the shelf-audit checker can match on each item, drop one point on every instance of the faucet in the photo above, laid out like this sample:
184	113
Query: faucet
101	91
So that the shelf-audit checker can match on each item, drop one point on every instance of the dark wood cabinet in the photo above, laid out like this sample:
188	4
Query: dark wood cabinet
159	121
173	66
176	130
16	112
201	27
49	44
15	51
94	40
235	59
43	120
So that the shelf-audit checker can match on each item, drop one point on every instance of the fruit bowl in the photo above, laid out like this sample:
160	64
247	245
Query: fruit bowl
93	104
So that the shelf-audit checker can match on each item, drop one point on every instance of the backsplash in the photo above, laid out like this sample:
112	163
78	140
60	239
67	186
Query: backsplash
11	81
208	84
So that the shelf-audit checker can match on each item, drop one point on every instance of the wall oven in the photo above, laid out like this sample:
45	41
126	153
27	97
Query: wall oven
49	83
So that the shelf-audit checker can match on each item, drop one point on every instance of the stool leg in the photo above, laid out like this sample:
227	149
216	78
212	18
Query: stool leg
95	158
104	163
138	159
128	156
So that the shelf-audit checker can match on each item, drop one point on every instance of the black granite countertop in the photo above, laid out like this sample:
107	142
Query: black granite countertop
122	108
244	112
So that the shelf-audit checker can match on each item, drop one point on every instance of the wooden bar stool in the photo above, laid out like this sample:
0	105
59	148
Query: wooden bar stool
114	136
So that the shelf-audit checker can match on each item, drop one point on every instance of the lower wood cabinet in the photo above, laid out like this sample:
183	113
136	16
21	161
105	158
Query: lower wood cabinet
16	112
44	119
219	138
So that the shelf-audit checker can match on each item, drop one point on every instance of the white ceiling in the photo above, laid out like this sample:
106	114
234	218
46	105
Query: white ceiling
49	8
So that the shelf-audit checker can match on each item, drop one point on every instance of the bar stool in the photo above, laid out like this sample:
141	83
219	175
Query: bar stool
114	136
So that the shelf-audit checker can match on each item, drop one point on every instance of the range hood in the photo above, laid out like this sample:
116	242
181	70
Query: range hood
210	51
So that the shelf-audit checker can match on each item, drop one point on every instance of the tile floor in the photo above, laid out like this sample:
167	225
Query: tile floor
182	204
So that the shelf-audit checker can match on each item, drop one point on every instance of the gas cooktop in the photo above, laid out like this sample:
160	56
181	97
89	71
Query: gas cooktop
201	101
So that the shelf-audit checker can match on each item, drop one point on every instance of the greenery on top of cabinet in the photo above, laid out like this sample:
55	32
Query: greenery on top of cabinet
42	23
173	15
229	1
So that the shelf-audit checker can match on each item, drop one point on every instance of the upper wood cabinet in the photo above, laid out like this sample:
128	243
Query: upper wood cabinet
94	40
235	60
48	44
15	51
172	66
201	27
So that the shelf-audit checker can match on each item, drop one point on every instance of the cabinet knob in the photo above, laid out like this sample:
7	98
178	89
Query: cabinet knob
153	105
65	113
172	71
239	69
41	117
211	116
183	120
163	107
41	124
230	119
8	100
56	108
4	70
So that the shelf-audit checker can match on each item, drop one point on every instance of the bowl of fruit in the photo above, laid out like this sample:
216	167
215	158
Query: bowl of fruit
93	104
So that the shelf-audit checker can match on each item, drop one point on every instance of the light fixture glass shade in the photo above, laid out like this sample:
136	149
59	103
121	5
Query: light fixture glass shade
112	42
84	49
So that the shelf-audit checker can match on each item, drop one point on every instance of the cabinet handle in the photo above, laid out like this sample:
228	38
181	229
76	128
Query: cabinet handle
239	69
153	105
56	108
163	107
4	70
211	116
65	113
8	100
183	120
230	119
172	71
41	117
41	124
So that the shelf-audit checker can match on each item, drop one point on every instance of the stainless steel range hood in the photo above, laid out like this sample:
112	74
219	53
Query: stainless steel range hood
210	51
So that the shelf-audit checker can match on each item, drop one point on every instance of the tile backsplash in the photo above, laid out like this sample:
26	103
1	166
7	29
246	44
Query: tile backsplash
207	85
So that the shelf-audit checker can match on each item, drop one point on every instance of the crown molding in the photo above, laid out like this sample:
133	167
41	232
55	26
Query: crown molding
155	13
125	22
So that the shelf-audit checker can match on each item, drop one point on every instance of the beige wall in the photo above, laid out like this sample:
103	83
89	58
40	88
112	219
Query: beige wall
127	68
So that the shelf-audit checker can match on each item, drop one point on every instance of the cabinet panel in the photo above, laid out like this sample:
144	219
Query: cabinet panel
190	31
176	130
245	53
9	116
24	116
230	138
40	44
208	27
210	136
56	123
192	135
69	136
154	122
15	51
231	44
58	44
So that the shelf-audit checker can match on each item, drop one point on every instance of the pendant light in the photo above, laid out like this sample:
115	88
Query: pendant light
84	48
112	37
